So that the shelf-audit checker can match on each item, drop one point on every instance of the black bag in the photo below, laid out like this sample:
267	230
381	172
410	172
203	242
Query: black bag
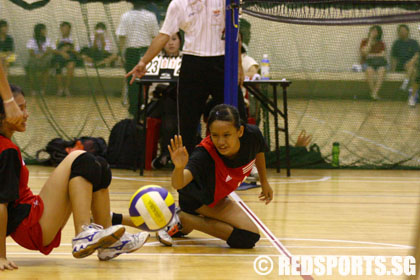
56	148
300	157
94	145
125	148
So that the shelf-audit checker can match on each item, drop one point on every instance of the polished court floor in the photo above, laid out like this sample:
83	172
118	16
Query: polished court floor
315	212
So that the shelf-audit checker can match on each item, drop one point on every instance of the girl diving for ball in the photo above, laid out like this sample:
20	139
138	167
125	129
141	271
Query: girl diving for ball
216	167
78	186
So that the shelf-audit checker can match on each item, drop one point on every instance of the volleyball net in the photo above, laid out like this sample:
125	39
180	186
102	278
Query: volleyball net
314	44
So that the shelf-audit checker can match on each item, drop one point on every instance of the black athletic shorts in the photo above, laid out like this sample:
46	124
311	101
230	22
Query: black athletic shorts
189	203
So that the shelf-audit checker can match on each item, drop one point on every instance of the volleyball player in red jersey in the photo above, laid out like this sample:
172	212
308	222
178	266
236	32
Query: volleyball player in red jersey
216	167
78	186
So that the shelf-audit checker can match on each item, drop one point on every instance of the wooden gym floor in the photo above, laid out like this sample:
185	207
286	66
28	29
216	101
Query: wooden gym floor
315	212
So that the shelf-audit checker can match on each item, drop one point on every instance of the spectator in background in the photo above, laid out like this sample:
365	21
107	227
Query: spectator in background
7	46
135	32
404	54
372	50
41	50
65	57
99	52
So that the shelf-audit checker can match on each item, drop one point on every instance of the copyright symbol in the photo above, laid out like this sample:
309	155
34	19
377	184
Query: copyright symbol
263	265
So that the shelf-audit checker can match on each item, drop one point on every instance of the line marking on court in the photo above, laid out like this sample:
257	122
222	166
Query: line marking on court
267	232
178	243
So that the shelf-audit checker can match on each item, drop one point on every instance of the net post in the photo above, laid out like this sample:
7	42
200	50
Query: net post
231	52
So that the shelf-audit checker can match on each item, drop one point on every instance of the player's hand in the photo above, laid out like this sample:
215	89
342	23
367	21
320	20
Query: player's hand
137	72
13	113
6	264
266	194
178	152
303	140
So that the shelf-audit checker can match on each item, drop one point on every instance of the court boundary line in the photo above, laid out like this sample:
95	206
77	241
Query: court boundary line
267	232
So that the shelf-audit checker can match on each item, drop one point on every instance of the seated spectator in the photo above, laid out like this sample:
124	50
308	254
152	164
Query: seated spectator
7	47
99	53
404	54
165	105
372	50
415	84
41	51
65	57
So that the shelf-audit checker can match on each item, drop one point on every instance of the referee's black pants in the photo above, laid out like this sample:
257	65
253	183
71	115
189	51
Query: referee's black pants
132	57
200	77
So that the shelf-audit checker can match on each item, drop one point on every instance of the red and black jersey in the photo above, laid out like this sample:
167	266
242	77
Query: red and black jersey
216	176
14	188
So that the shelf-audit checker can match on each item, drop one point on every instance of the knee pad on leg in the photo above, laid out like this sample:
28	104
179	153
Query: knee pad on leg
242	239
94	169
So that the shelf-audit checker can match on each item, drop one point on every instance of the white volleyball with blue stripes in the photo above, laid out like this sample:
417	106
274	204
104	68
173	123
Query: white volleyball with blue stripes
151	208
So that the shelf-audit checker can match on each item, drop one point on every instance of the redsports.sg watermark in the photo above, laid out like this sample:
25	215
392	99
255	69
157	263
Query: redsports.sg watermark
336	265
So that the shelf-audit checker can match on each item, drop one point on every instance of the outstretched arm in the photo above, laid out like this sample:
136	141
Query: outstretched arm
179	156
157	45
13	114
4	262
266	190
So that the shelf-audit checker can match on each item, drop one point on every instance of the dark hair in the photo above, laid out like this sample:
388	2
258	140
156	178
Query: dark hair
181	42
224	112
403	26
64	23
100	25
39	38
15	91
378	29
3	23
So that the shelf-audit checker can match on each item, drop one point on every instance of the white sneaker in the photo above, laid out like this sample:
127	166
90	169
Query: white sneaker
93	237
174	228
412	100
163	237
404	84
128	243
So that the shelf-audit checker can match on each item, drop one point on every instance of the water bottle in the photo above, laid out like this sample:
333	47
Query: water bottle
336	154
265	68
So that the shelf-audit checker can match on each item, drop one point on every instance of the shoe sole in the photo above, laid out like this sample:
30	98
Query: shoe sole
164	242
104	242
128	252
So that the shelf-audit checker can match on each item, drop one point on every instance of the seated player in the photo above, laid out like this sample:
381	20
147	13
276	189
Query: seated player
7	46
404	54
166	105
415	85
217	166
78	186
41	50
372	50
99	51
65	57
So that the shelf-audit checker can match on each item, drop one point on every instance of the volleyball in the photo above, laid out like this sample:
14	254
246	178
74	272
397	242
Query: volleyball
151	208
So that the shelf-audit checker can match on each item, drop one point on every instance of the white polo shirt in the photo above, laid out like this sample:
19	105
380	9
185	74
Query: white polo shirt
32	45
139	26
203	22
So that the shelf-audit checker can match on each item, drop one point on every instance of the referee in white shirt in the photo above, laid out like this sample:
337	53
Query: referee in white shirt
135	32
202	70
